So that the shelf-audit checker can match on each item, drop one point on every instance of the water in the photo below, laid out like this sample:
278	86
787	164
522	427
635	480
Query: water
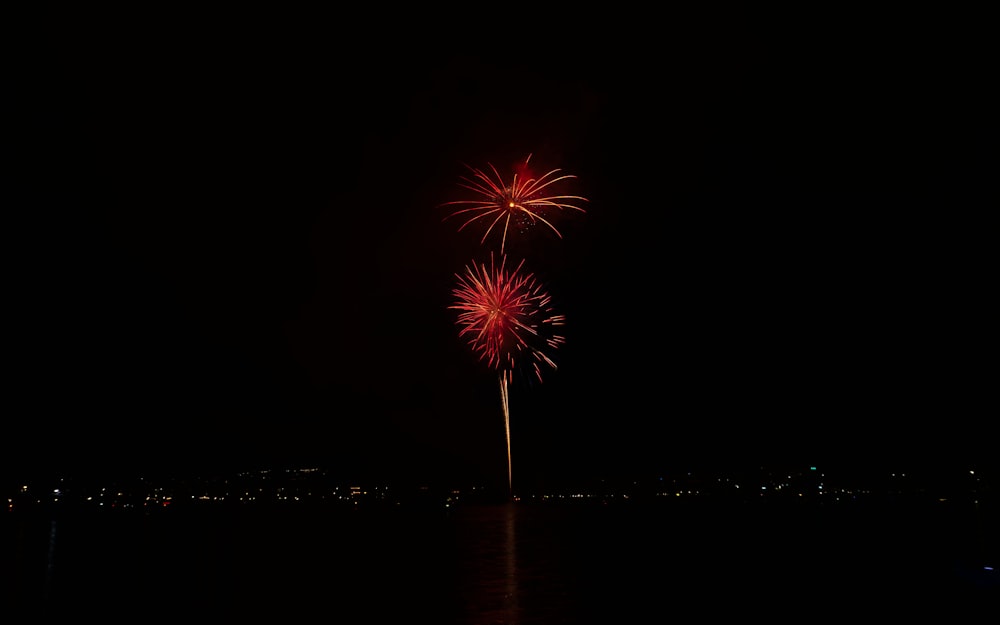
516	563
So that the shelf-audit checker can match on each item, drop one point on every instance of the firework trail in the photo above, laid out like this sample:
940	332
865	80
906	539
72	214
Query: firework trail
520	204
507	318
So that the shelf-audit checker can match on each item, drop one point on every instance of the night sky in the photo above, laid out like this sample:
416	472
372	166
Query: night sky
230	253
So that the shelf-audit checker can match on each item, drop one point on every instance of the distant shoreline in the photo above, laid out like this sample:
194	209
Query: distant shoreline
318	487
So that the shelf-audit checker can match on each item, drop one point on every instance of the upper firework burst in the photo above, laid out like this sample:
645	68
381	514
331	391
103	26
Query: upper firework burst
520	204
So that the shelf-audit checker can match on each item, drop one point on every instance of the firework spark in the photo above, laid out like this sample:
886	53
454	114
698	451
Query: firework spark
521	204
507	317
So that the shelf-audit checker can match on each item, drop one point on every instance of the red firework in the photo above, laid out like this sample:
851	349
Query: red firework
521	204
506	316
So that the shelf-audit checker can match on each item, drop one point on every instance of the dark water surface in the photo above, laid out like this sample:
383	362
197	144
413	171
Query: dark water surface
505	563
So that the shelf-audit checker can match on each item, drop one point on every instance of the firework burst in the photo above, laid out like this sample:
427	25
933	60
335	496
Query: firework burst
521	204
507	318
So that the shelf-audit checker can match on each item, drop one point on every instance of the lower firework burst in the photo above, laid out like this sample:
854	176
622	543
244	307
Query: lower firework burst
507	318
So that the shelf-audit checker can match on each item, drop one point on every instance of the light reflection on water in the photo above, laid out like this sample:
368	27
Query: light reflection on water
50	560
511	591
489	571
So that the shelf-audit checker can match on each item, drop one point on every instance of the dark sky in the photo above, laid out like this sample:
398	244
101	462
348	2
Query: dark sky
230	250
